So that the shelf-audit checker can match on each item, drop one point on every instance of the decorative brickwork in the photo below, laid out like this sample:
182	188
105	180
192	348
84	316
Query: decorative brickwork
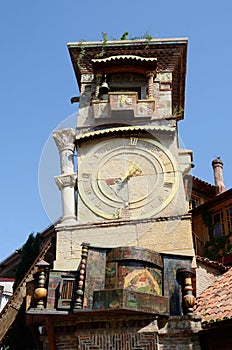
125	341
179	333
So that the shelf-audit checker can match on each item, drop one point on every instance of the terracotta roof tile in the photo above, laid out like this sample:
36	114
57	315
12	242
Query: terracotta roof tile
216	264
214	304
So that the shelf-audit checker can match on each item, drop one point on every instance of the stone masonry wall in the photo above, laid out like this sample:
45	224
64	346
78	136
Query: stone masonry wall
171	237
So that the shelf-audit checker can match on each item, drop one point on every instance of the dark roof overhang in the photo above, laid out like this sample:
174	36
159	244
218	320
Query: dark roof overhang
124	63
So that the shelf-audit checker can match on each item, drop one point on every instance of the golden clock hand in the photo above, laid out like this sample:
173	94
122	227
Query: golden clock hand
132	170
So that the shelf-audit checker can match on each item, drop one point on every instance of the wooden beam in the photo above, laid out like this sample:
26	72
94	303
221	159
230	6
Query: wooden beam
51	333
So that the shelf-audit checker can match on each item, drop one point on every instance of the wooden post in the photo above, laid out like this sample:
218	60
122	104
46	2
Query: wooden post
51	333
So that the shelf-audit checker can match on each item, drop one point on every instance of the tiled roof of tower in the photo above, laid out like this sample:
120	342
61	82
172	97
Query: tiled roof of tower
214	304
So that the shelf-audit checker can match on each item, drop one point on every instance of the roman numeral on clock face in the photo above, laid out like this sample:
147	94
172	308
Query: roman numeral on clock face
86	175
87	189
168	184
133	141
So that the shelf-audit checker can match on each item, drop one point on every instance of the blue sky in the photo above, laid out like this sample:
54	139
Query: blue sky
37	81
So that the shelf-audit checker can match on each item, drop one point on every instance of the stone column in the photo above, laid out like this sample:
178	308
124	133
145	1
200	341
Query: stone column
150	77
98	83
64	140
66	182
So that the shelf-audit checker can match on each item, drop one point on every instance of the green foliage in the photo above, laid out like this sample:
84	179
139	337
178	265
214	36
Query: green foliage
81	54
177	111
28	254
104	39
217	247
124	36
148	37
229	250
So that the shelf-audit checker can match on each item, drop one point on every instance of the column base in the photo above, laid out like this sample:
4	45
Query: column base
68	220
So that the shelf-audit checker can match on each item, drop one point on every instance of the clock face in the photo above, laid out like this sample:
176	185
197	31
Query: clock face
127	177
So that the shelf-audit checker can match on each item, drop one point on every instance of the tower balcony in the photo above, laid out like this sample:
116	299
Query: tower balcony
123	105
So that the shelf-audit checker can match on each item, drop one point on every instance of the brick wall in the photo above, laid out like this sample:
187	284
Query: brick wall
205	277
179	333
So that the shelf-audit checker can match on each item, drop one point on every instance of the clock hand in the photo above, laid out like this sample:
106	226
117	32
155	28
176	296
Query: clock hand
117	185
121	192
133	170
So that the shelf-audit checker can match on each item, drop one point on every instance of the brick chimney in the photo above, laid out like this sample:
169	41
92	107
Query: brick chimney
217	165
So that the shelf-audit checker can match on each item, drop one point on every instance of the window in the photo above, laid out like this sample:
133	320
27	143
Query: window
129	82
195	201
67	288
229	217
218	223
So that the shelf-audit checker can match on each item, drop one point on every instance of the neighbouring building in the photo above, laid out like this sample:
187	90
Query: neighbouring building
6	290
212	220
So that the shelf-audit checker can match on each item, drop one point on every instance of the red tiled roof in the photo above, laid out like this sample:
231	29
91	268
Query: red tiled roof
213	263
214	304
6	279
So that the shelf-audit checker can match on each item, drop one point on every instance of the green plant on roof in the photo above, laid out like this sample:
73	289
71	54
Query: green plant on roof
104	39
148	37
81	54
124	36
177	111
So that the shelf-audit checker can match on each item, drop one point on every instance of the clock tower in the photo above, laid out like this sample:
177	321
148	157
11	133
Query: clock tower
129	188
124	250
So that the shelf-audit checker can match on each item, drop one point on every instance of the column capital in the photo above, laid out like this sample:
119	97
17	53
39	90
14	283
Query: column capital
68	180
64	139
99	76
150	74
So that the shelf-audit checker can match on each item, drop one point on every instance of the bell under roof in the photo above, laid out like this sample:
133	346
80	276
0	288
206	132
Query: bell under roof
164	55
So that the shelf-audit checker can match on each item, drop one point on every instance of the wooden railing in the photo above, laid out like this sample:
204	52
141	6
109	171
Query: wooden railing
11	309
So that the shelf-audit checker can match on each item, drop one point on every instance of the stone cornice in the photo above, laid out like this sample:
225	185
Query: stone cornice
122	222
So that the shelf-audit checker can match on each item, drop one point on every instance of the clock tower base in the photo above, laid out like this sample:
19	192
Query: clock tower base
166	235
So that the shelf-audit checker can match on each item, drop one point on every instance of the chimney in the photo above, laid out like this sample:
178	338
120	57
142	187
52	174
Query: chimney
217	165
